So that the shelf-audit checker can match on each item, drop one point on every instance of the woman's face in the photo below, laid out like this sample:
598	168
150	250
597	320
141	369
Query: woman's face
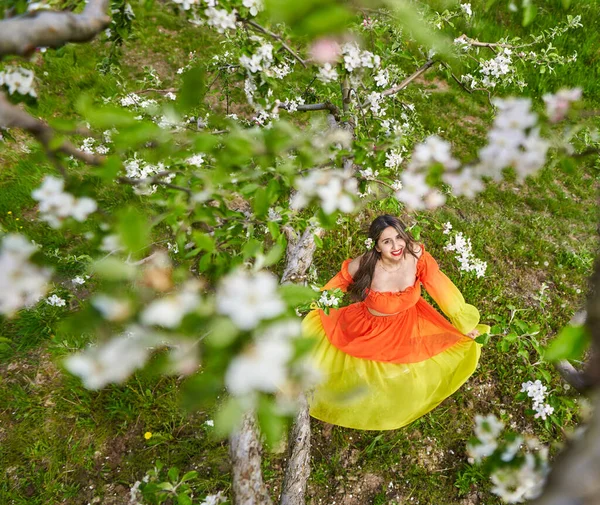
390	244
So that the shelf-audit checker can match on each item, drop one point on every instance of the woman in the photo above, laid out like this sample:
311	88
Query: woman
390	357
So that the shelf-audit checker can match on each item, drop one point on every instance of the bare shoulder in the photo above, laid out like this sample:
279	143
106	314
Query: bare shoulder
353	266
418	249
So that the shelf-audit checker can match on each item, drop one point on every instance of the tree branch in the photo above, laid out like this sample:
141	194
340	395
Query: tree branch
428	64
12	116
316	106
262	29
489	45
23	34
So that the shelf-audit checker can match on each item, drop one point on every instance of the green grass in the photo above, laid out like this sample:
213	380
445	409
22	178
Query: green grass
63	444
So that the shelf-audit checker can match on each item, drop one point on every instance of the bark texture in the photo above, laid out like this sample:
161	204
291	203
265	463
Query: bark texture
23	34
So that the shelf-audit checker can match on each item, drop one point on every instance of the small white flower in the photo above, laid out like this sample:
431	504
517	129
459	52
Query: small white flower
327	73
56	301
78	280
369	243
466	8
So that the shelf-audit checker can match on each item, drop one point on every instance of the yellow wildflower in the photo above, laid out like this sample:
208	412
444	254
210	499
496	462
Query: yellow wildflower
147	435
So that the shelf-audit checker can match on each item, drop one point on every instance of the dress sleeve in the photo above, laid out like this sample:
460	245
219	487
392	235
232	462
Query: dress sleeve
342	279
463	316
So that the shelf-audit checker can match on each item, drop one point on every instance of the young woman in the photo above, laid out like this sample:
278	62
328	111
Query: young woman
390	357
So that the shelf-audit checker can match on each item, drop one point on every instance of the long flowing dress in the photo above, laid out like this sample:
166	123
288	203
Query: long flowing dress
383	372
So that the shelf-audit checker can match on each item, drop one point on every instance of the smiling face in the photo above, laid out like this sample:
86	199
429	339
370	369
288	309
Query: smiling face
390	244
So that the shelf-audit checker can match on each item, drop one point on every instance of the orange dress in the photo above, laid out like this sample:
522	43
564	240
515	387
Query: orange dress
383	372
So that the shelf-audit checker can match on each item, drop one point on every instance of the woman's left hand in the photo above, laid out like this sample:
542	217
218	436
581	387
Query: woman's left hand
473	333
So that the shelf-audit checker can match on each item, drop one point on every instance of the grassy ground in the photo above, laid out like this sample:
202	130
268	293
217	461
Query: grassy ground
60	443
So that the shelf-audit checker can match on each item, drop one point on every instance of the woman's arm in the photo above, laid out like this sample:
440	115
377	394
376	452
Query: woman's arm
463	316
344	277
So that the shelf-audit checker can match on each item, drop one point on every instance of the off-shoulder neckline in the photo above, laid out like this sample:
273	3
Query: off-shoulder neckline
408	288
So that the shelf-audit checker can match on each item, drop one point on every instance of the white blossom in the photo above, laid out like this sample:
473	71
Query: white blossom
462	248
169	311
255	6
537	392
22	283
131	99
56	205
433	150
113	361
414	189
78	280
197	160
518	484
214	499
263	365
327	73
466	8
557	105
112	309
369	243
221	19
19	80
382	78
56	301
368	174
333	188
465	183
248	298
393	158
447	228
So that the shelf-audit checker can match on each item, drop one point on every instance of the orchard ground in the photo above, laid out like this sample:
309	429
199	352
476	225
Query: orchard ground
61	443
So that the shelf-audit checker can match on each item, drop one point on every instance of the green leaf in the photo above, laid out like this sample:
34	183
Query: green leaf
173	474
529	13
113	269
294	294
134	230
566	4
104	117
273	229
260	202
318	241
183	499
109	169
251	247
166	486
570	343
272	425
273	256
221	333
192	90
483	339
200	391
203	241
189	476
228	417
416	232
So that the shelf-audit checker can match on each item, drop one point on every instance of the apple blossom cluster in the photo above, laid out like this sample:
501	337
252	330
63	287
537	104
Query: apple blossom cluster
333	188
558	105
487	430
220	19
328	299
263	366
514	141
537	392
19	80
355	59
56	301
522	483
113	361
520	475
462	248
56	205
248	298
142	170
369	244
170	310
261	60
22	283
393	159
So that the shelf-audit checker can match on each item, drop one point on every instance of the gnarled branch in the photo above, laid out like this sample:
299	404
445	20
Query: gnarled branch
12	116
23	34
428	64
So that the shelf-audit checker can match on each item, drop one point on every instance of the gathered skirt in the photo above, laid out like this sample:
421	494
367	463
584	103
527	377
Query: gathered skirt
385	394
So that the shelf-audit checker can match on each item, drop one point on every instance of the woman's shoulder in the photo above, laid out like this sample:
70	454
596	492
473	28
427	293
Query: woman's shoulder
419	249
354	265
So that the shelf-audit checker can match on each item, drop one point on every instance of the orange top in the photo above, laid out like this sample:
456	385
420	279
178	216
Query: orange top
413	331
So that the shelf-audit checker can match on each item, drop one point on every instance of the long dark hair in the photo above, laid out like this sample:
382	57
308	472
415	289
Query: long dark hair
364	275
